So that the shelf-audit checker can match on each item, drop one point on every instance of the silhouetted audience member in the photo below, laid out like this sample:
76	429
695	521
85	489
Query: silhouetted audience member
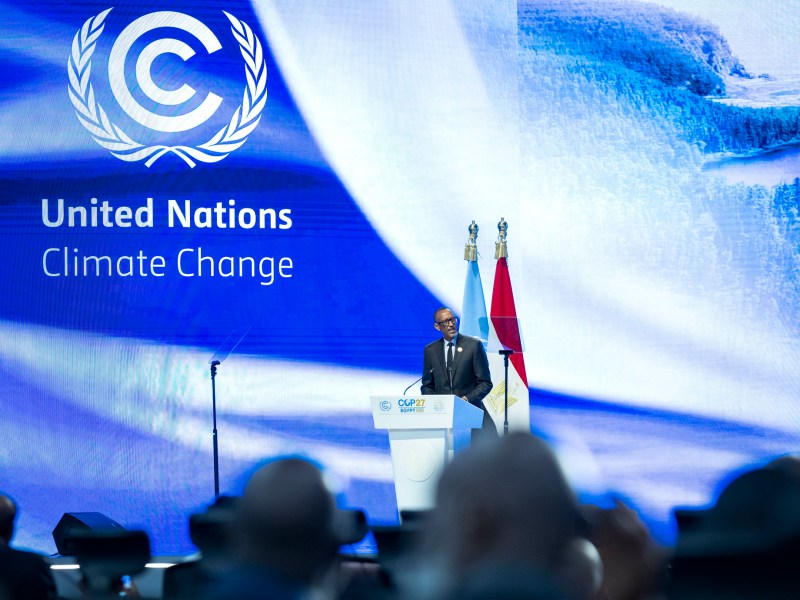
506	526
633	564
788	463
211	532
364	580
23	575
581	571
748	544
284	535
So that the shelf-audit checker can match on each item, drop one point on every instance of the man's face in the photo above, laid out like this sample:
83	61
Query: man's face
446	323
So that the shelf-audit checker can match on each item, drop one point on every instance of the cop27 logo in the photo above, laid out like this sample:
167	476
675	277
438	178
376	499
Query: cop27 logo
112	138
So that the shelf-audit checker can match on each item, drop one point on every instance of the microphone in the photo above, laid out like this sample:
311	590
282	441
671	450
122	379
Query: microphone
416	381
450	377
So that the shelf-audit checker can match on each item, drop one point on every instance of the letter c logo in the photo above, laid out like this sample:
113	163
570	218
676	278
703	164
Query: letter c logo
116	71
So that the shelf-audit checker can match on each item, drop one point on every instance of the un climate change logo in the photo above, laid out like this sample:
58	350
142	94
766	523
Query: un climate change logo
112	138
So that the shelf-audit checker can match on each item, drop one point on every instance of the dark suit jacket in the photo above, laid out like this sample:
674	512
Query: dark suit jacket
471	377
25	576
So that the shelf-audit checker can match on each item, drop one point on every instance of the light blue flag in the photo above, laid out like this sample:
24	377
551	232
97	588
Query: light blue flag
474	319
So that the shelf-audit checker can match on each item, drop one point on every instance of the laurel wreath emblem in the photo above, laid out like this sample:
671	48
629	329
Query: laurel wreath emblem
112	138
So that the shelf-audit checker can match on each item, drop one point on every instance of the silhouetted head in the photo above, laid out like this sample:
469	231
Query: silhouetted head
747	545
505	503
285	520
211	530
8	512
788	464
758	510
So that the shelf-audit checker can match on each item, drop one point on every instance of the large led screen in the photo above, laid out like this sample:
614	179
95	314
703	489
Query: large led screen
287	185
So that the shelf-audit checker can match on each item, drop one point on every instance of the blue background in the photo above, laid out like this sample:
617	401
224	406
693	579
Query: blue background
107	396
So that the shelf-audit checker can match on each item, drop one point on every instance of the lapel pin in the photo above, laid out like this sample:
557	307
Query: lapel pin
460	349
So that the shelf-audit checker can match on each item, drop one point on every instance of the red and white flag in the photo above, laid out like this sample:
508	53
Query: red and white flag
505	333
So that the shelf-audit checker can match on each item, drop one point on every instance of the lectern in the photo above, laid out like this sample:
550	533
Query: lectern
424	434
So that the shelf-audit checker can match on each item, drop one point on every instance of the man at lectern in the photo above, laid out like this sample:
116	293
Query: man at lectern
457	364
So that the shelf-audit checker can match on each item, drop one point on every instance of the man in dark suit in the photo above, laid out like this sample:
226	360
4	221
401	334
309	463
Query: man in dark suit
457	364
23	575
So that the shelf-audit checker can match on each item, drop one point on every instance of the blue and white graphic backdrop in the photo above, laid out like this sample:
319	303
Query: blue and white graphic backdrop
172	172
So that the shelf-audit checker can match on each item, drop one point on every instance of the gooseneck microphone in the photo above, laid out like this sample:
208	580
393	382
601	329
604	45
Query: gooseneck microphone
416	381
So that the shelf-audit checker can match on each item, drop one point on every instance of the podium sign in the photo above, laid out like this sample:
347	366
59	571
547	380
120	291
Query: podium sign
424	434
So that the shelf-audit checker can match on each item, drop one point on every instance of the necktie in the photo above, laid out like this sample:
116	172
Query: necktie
449	355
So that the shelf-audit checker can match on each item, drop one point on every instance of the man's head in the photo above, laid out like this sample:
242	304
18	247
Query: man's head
504	501
8	512
285	520
444	321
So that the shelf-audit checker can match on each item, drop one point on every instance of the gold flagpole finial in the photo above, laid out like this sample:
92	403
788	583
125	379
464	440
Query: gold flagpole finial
500	246
471	248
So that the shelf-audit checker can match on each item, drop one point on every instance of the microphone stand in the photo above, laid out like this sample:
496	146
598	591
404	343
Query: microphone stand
416	381
214	364
506	354
412	383
229	345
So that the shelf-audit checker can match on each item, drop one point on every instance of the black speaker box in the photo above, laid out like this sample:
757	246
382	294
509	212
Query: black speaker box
80	522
